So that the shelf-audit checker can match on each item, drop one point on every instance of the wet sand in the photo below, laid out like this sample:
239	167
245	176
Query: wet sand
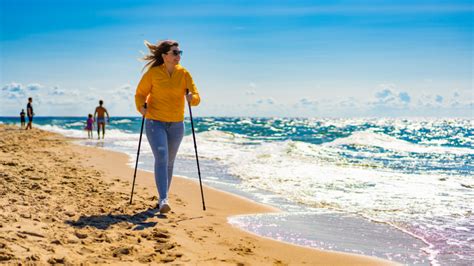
69	204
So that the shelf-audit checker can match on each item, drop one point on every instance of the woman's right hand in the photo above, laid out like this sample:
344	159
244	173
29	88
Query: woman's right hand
143	111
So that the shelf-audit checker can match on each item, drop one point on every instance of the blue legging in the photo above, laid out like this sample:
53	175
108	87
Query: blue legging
164	139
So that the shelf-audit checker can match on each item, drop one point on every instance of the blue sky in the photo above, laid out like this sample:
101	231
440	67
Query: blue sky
248	58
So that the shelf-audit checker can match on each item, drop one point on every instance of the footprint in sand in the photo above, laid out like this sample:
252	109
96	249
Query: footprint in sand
170	258
242	250
57	260
80	235
209	229
159	235
147	258
33	257
6	256
56	242
85	250
121	251
162	248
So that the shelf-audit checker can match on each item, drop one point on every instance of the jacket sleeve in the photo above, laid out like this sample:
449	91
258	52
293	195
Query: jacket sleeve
192	89
143	90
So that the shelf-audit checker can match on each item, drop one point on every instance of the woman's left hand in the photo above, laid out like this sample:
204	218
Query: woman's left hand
189	97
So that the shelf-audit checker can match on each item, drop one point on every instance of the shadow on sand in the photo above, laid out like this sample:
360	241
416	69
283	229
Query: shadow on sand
103	222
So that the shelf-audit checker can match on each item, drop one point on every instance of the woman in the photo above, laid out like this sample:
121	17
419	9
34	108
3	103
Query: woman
163	87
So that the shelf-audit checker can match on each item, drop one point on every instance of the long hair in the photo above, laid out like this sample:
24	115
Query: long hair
155	58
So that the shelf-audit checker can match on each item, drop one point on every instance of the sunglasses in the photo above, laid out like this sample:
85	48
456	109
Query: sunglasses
176	52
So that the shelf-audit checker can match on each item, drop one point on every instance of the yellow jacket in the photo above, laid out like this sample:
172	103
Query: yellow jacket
164	94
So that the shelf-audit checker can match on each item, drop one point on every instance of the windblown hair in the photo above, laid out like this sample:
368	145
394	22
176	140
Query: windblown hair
155	58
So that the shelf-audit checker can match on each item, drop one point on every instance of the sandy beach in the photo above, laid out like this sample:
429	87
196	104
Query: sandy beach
69	204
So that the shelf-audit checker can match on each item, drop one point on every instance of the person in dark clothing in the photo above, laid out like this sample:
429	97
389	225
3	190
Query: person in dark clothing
22	118
30	113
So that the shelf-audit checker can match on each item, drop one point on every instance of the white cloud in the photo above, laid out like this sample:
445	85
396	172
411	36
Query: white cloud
306	103
14	88
386	101
266	101
251	89
404	97
349	103
56	91
15	93
65	101
123	92
384	94
390	98
34	87
429	101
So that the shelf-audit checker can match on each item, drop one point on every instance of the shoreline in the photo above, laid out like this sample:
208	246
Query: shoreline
187	228
250	207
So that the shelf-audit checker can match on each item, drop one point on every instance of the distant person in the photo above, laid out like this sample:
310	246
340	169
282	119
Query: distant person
30	113
163	87
22	118
99	116
90	126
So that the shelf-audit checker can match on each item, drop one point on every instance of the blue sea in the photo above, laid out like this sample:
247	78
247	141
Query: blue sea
399	189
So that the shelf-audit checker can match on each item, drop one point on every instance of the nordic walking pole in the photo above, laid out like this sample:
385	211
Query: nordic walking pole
138	154
195	149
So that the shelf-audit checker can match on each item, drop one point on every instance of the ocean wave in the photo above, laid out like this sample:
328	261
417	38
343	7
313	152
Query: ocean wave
122	121
74	133
217	136
111	134
369	138
418	184
75	124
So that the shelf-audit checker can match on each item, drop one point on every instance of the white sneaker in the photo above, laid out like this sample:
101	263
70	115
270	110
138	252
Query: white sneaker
164	206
